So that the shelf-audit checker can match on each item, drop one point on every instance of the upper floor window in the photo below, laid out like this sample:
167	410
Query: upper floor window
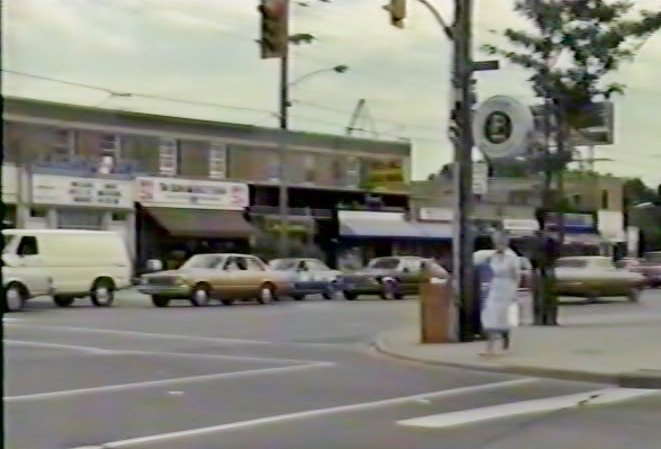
604	199
168	160
353	172
218	160
61	144
576	199
110	145
309	165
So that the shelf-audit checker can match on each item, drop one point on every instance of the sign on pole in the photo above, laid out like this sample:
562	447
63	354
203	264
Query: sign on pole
480	178
503	127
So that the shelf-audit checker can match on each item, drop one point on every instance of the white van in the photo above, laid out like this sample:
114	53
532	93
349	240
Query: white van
79	262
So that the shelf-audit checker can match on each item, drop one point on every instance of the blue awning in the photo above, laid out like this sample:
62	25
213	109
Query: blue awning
393	229
436	231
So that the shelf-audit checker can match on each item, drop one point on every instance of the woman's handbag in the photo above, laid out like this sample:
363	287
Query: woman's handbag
513	315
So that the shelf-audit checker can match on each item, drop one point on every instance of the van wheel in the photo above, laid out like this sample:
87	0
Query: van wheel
103	293
63	301
14	298
201	296
160	301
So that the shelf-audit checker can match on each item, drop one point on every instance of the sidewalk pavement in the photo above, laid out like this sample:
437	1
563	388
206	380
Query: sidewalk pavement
623	350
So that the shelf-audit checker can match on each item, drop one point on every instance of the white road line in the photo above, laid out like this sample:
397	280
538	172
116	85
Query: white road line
597	397
101	351
143	334
36	344
314	413
161	383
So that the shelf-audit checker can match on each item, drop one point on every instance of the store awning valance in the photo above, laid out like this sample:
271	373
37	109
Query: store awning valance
436	231
393	229
202	223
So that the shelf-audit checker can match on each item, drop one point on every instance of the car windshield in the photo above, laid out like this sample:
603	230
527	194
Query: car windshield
384	264
203	261
283	264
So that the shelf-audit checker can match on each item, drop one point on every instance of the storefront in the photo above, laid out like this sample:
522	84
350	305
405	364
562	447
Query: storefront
64	202
9	195
581	235
179	217
368	234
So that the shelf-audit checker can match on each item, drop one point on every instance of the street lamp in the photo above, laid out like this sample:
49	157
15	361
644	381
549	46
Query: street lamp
285	104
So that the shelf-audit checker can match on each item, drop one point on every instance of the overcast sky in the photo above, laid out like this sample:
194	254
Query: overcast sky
204	50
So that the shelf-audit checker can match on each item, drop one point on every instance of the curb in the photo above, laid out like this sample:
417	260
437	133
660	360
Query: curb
636	379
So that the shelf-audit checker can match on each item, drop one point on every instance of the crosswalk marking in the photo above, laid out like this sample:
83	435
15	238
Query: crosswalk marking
596	397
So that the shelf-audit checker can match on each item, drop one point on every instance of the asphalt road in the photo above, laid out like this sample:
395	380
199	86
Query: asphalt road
289	375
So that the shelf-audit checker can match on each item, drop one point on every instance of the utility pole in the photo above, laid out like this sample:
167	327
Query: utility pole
463	167
283	186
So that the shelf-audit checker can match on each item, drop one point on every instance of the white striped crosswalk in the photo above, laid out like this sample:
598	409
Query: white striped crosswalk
508	410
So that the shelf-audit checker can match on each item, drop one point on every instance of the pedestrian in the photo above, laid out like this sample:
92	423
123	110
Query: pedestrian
503	287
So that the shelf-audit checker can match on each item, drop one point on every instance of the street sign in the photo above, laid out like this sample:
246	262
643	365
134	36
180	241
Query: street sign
503	127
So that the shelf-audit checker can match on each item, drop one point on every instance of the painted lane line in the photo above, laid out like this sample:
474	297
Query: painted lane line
143	334
314	413
37	344
597	397
102	351
161	383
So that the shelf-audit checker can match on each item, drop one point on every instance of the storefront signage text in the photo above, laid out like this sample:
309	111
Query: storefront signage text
193	194
93	192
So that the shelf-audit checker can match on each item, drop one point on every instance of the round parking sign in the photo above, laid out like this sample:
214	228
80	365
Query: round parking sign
503	127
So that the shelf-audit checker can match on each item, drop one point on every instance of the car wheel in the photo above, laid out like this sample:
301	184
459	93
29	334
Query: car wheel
298	297
201	296
350	296
266	294
634	294
227	302
15	297
63	301
103	293
160	301
389	291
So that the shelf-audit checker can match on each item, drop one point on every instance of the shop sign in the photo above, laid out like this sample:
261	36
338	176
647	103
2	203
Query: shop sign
385	174
192	194
9	183
93	192
438	214
573	222
520	225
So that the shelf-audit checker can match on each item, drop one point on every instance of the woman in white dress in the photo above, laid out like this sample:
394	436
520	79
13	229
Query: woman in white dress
503	288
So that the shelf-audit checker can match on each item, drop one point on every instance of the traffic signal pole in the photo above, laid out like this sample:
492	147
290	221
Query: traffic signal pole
463	238
283	176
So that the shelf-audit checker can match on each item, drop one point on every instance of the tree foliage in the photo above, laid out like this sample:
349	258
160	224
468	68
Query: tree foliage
591	38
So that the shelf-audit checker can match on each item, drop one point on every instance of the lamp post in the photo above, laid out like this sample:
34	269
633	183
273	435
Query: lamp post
283	202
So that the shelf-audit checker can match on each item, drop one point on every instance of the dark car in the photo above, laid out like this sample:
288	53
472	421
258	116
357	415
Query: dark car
390	277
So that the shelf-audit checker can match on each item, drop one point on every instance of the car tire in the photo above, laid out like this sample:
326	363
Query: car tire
266	294
63	301
14	297
634	295
227	302
201	295
298	297
350	296
103	292
160	301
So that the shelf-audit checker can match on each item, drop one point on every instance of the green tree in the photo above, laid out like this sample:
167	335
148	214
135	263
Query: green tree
572	49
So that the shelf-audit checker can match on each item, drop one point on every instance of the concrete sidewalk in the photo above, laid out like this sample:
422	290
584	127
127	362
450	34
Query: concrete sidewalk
626	352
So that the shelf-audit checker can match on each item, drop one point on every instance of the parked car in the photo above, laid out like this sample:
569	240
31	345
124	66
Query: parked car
79	262
309	277
224	277
19	287
650	267
594	277
390	277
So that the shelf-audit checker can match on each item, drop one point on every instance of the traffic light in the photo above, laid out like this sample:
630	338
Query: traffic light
397	10
275	21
